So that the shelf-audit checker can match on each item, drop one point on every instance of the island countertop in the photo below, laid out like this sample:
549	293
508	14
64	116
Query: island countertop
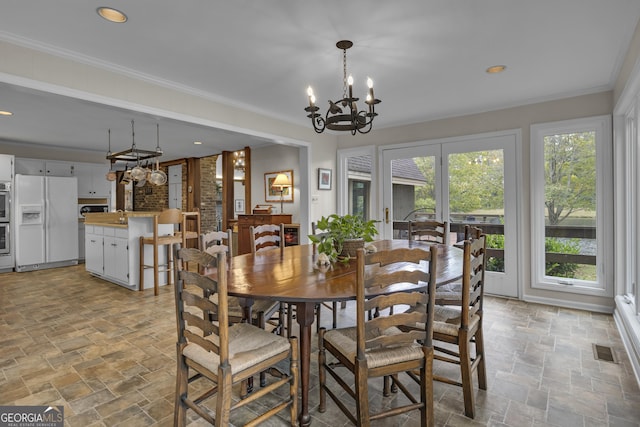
113	219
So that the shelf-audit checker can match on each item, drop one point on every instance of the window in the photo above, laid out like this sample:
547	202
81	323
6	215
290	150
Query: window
571	206
356	180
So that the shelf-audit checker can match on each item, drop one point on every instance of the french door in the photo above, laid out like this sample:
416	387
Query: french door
467	180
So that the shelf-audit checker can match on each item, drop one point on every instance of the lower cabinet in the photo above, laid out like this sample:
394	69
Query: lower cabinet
116	258
94	258
107	254
113	252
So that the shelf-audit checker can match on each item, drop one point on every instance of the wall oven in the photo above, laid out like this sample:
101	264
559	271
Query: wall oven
5	239
5	201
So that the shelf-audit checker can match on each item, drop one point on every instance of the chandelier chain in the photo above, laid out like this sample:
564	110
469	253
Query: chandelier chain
344	69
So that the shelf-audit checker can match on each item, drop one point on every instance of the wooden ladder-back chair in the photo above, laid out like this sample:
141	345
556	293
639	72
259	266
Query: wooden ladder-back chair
450	294
263	312
171	217
387	345
429	230
460	325
224	353
190	228
267	237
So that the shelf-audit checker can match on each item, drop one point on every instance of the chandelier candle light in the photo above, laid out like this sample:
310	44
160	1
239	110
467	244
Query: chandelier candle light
337	119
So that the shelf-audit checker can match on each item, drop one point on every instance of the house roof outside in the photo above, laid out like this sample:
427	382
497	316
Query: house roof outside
405	169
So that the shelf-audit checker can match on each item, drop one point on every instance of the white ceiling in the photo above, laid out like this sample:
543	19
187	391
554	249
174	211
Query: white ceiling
427	58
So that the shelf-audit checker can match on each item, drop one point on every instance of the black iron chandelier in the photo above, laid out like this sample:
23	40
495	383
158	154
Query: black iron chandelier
336	117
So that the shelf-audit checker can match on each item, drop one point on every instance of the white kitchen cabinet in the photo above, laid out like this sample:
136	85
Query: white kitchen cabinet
116	256
92	181
94	252
43	167
6	167
112	252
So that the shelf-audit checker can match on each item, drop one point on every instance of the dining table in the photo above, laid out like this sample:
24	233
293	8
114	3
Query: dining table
292	275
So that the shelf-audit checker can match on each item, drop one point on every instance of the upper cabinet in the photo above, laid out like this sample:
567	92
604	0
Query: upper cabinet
6	167
92	180
43	167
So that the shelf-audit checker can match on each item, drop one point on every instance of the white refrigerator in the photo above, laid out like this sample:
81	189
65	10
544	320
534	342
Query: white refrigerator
46	222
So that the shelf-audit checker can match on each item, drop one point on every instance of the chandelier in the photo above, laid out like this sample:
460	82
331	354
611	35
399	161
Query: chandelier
336	117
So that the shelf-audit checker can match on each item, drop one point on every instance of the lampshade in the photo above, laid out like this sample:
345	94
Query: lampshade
281	180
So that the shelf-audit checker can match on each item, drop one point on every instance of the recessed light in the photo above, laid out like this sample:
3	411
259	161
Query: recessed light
6	113
111	14
496	69
197	143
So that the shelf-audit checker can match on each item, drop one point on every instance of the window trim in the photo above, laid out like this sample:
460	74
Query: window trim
604	285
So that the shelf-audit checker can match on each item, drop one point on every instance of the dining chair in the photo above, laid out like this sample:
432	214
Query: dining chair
225	353
263	312
385	346
431	230
450	294
460	325
160	239
271	237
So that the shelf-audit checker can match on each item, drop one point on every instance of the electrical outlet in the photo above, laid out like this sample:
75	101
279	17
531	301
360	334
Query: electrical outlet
315	198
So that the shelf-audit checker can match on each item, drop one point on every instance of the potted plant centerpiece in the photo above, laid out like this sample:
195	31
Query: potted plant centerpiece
341	235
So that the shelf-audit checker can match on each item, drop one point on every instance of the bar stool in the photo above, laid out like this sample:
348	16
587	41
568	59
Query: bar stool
188	233
168	216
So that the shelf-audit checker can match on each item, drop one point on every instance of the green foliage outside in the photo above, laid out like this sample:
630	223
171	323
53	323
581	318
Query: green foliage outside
564	269
570	174
476	184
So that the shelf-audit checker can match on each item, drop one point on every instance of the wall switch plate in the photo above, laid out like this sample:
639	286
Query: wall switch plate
315	198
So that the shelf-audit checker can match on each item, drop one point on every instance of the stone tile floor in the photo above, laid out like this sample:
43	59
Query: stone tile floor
108	355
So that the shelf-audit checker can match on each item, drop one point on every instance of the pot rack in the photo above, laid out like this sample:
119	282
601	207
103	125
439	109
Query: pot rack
133	154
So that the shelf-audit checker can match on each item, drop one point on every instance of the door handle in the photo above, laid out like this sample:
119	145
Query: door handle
386	215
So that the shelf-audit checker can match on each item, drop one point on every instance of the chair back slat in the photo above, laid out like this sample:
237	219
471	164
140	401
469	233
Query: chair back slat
195	307
170	216
266	237
431	230
414	266
217	241
473	273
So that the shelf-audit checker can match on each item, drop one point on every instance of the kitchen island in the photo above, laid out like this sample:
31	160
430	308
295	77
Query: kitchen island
112	247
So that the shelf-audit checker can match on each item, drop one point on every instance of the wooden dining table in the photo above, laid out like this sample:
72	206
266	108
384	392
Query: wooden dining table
293	276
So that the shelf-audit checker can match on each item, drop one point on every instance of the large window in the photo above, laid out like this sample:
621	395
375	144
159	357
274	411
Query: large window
571	210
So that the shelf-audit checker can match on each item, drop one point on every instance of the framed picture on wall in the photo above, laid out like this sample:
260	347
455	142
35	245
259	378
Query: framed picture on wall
272	194
324	179
239	205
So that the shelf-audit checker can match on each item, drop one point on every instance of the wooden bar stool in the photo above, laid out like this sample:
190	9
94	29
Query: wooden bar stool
168	216
190	231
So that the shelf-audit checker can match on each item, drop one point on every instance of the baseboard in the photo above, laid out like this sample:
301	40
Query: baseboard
569	304
629	328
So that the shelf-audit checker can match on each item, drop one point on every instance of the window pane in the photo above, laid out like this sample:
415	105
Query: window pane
476	197
359	184
570	205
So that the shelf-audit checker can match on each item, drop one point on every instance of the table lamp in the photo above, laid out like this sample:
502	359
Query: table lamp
279	184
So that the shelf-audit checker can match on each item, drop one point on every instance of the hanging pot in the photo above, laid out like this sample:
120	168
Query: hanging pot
111	175
158	177
138	173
